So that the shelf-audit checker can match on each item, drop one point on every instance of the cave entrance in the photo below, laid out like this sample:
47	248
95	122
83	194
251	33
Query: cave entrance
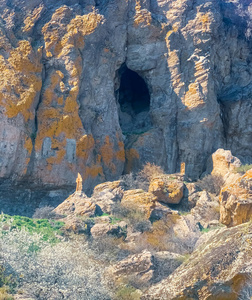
134	101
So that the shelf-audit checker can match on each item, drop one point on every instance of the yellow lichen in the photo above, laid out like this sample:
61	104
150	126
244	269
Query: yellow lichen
31	19
142	16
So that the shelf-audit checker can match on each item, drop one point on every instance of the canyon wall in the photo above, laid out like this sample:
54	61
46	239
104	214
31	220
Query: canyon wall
61	69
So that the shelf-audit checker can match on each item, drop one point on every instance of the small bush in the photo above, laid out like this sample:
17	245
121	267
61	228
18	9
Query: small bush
142	179
149	171
129	181
45	212
211	183
243	169
127	292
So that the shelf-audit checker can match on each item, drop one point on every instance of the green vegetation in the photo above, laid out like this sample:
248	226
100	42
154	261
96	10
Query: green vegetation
49	229
243	169
127	292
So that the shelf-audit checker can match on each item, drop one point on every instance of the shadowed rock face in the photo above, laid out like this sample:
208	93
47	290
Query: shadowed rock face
62	77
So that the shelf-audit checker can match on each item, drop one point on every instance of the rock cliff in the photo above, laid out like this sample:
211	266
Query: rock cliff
100	87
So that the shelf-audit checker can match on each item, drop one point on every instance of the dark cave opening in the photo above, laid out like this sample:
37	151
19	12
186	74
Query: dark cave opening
134	101
134	95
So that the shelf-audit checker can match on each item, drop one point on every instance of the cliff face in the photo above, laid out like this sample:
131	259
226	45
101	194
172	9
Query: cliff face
69	104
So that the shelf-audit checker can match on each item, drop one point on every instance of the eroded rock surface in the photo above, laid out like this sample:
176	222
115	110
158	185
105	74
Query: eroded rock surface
67	105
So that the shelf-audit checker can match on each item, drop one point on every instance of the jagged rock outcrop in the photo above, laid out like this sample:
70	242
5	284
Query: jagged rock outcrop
68	104
219	268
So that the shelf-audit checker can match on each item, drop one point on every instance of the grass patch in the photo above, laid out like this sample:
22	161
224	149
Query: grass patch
49	229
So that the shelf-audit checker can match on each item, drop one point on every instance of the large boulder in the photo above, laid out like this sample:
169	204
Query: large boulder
146	203
77	204
222	162
236	201
145	267
138	266
220	268
167	189
106	195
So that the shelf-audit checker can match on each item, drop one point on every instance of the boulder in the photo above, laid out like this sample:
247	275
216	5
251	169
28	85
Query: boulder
138	267
222	162
167	189
219	268
236	201
140	200
106	194
77	204
76	225
102	229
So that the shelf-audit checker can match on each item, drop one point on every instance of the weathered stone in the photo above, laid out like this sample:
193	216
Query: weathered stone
219	268
166	189
140	200
222	162
236	201
102	229
106	195
139	266
76	204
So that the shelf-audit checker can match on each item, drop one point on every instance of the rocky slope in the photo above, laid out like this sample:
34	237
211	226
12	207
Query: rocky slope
162	251
68	102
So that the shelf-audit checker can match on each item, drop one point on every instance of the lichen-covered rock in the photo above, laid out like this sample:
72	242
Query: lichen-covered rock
236	201
138	199
76	204
167	189
220	268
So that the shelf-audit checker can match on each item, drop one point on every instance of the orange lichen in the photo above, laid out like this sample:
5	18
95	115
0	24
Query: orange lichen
28	145
20	80
131	156
120	154
107	151
84	146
